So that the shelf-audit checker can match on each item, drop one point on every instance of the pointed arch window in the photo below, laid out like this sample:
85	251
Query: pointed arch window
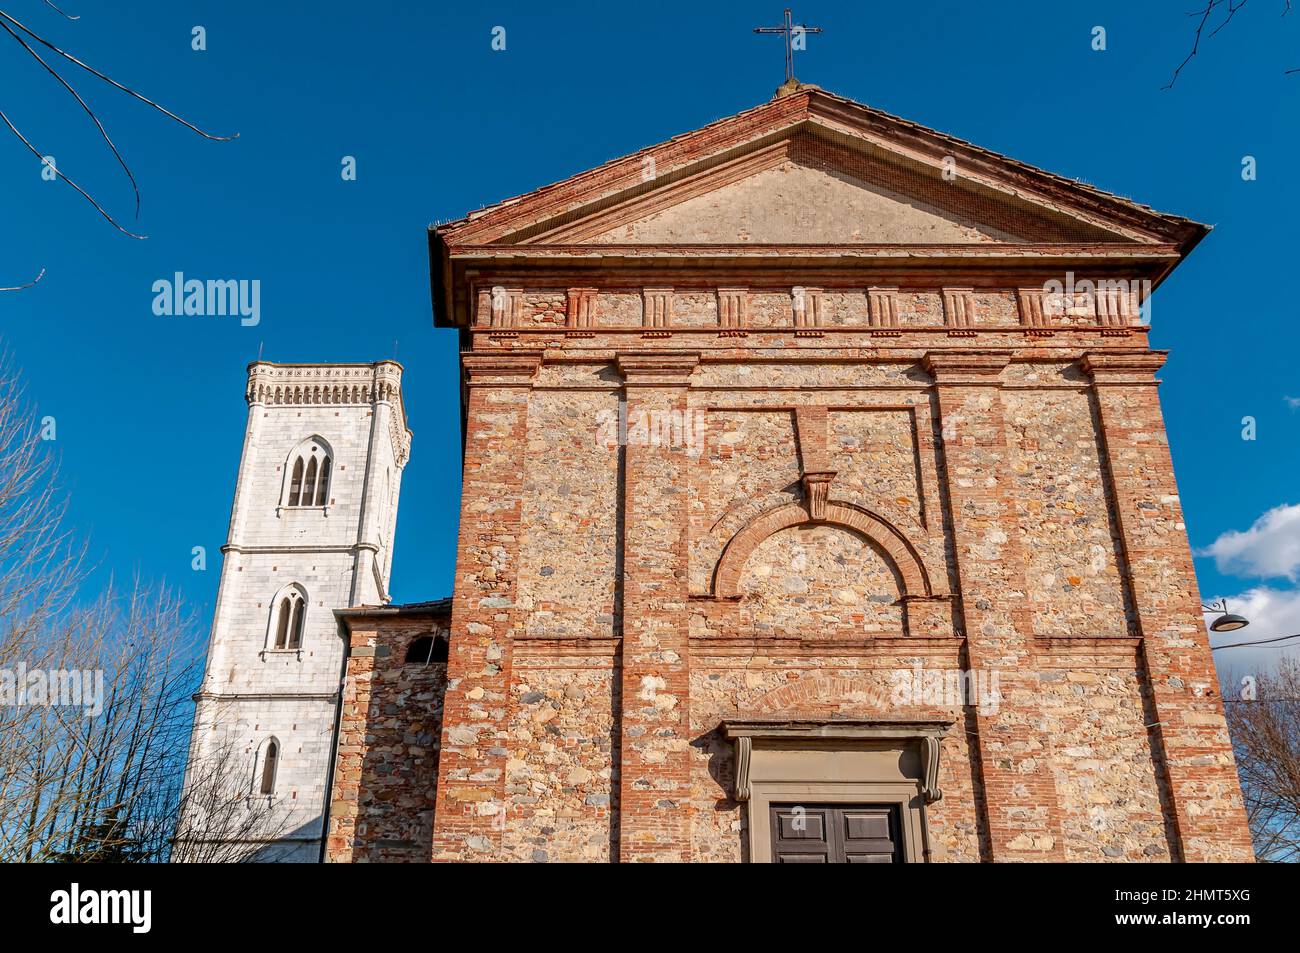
288	615
295	485
309	474
308	484
323	482
267	767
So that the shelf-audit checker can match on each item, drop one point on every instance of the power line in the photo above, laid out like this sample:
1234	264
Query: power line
1237	645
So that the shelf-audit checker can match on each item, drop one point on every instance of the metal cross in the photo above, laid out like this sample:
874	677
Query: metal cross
794	34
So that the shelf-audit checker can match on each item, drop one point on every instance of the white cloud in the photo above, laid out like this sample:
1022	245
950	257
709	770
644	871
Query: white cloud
1269	549
1292	402
1272	613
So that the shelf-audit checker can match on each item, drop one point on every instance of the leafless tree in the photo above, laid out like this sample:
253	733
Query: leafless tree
219	820
1265	733
40	566
87	776
1215	15
54	61
95	695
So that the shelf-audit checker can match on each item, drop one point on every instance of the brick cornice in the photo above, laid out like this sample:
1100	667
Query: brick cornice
658	370
982	368
515	369
1124	367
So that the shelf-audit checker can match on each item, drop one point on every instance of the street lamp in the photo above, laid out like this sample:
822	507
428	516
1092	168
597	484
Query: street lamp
1226	622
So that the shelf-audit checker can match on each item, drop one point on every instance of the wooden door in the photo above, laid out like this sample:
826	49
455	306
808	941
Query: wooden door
835	834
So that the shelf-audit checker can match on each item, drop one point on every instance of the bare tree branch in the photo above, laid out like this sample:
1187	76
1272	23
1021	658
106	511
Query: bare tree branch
1196	40
68	16
14	28
112	82
1230	11
85	106
28	284
57	171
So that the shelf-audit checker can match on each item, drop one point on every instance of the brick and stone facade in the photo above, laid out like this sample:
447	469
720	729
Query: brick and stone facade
813	457
390	733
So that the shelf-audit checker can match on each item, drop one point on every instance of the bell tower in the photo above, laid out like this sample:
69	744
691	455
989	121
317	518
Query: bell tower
311	531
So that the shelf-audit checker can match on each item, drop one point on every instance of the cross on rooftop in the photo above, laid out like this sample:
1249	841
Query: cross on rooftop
794	39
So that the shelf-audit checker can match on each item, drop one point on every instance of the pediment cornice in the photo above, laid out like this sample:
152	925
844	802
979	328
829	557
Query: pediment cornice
993	215
749	140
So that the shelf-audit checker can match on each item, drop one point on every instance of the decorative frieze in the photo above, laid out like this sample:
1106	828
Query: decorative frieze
809	311
1033	312
1031	307
882	305
733	307
807	307
506	306
274	384
1117	304
657	311
581	307
959	311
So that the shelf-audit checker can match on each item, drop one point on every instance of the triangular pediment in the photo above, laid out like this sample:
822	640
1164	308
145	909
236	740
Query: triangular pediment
791	204
813	169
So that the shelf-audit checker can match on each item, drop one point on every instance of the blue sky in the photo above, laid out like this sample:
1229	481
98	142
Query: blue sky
149	409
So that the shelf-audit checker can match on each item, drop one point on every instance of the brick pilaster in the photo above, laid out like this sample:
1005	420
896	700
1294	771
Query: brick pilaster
654	789
349	752
1019	792
1203	790
471	774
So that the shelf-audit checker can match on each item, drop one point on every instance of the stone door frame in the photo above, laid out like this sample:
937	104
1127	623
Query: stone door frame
837	762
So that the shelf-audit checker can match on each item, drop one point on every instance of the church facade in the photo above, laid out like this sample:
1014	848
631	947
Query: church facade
817	507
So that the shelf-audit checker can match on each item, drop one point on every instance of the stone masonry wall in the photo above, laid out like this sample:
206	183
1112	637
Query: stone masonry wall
390	735
562	773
